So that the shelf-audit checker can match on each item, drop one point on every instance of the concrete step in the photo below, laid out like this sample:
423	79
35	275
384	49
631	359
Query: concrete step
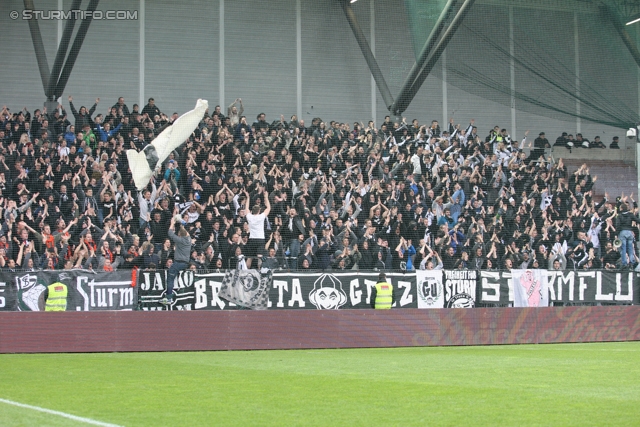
625	155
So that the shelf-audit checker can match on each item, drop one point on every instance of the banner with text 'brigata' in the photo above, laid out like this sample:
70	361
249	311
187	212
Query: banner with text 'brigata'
565	286
322	291
89	291
86	290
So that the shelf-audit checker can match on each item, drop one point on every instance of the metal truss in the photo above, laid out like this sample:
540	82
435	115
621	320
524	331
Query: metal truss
55	81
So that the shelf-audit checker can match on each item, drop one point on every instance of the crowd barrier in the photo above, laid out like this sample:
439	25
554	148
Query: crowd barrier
430	311
198	290
109	331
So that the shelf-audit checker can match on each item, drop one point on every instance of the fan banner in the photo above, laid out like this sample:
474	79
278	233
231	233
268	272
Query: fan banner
570	287
197	290
86	290
530	288
460	288
321	291
152	288
247	288
430	289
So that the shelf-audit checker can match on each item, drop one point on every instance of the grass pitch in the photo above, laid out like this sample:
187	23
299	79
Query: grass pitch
567	384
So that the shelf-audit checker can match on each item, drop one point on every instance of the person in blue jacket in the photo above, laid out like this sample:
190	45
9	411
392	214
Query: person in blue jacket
104	133
172	171
70	135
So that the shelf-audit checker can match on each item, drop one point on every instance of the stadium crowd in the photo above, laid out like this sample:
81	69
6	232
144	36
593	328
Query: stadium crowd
395	196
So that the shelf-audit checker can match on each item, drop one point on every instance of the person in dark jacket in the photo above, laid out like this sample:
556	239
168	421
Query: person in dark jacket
323	254
368	260
561	141
539	145
449	259
83	117
625	226
597	143
149	256
181	259
121	104
151	109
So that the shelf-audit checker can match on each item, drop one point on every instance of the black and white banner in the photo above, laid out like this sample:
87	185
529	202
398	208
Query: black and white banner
247	288
327	291
565	286
86	290
89	291
152	287
460	288
430	289
8	294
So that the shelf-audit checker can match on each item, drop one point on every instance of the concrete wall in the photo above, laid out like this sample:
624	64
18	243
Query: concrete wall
107	66
189	51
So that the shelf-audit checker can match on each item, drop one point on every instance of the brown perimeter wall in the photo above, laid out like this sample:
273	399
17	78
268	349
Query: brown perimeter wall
40	332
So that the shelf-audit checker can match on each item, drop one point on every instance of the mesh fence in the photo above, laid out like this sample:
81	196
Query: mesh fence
558	64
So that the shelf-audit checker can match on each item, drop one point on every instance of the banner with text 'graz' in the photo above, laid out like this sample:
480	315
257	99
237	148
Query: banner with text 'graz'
86	290
322	291
565	286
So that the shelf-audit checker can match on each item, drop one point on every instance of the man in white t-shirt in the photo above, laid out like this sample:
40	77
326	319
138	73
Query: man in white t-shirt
256	226
63	151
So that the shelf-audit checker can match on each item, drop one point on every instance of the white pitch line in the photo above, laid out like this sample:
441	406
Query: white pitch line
60	414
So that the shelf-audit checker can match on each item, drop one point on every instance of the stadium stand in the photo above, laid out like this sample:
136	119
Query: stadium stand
401	196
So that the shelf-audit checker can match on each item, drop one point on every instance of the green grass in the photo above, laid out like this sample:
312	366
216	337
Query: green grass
568	384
